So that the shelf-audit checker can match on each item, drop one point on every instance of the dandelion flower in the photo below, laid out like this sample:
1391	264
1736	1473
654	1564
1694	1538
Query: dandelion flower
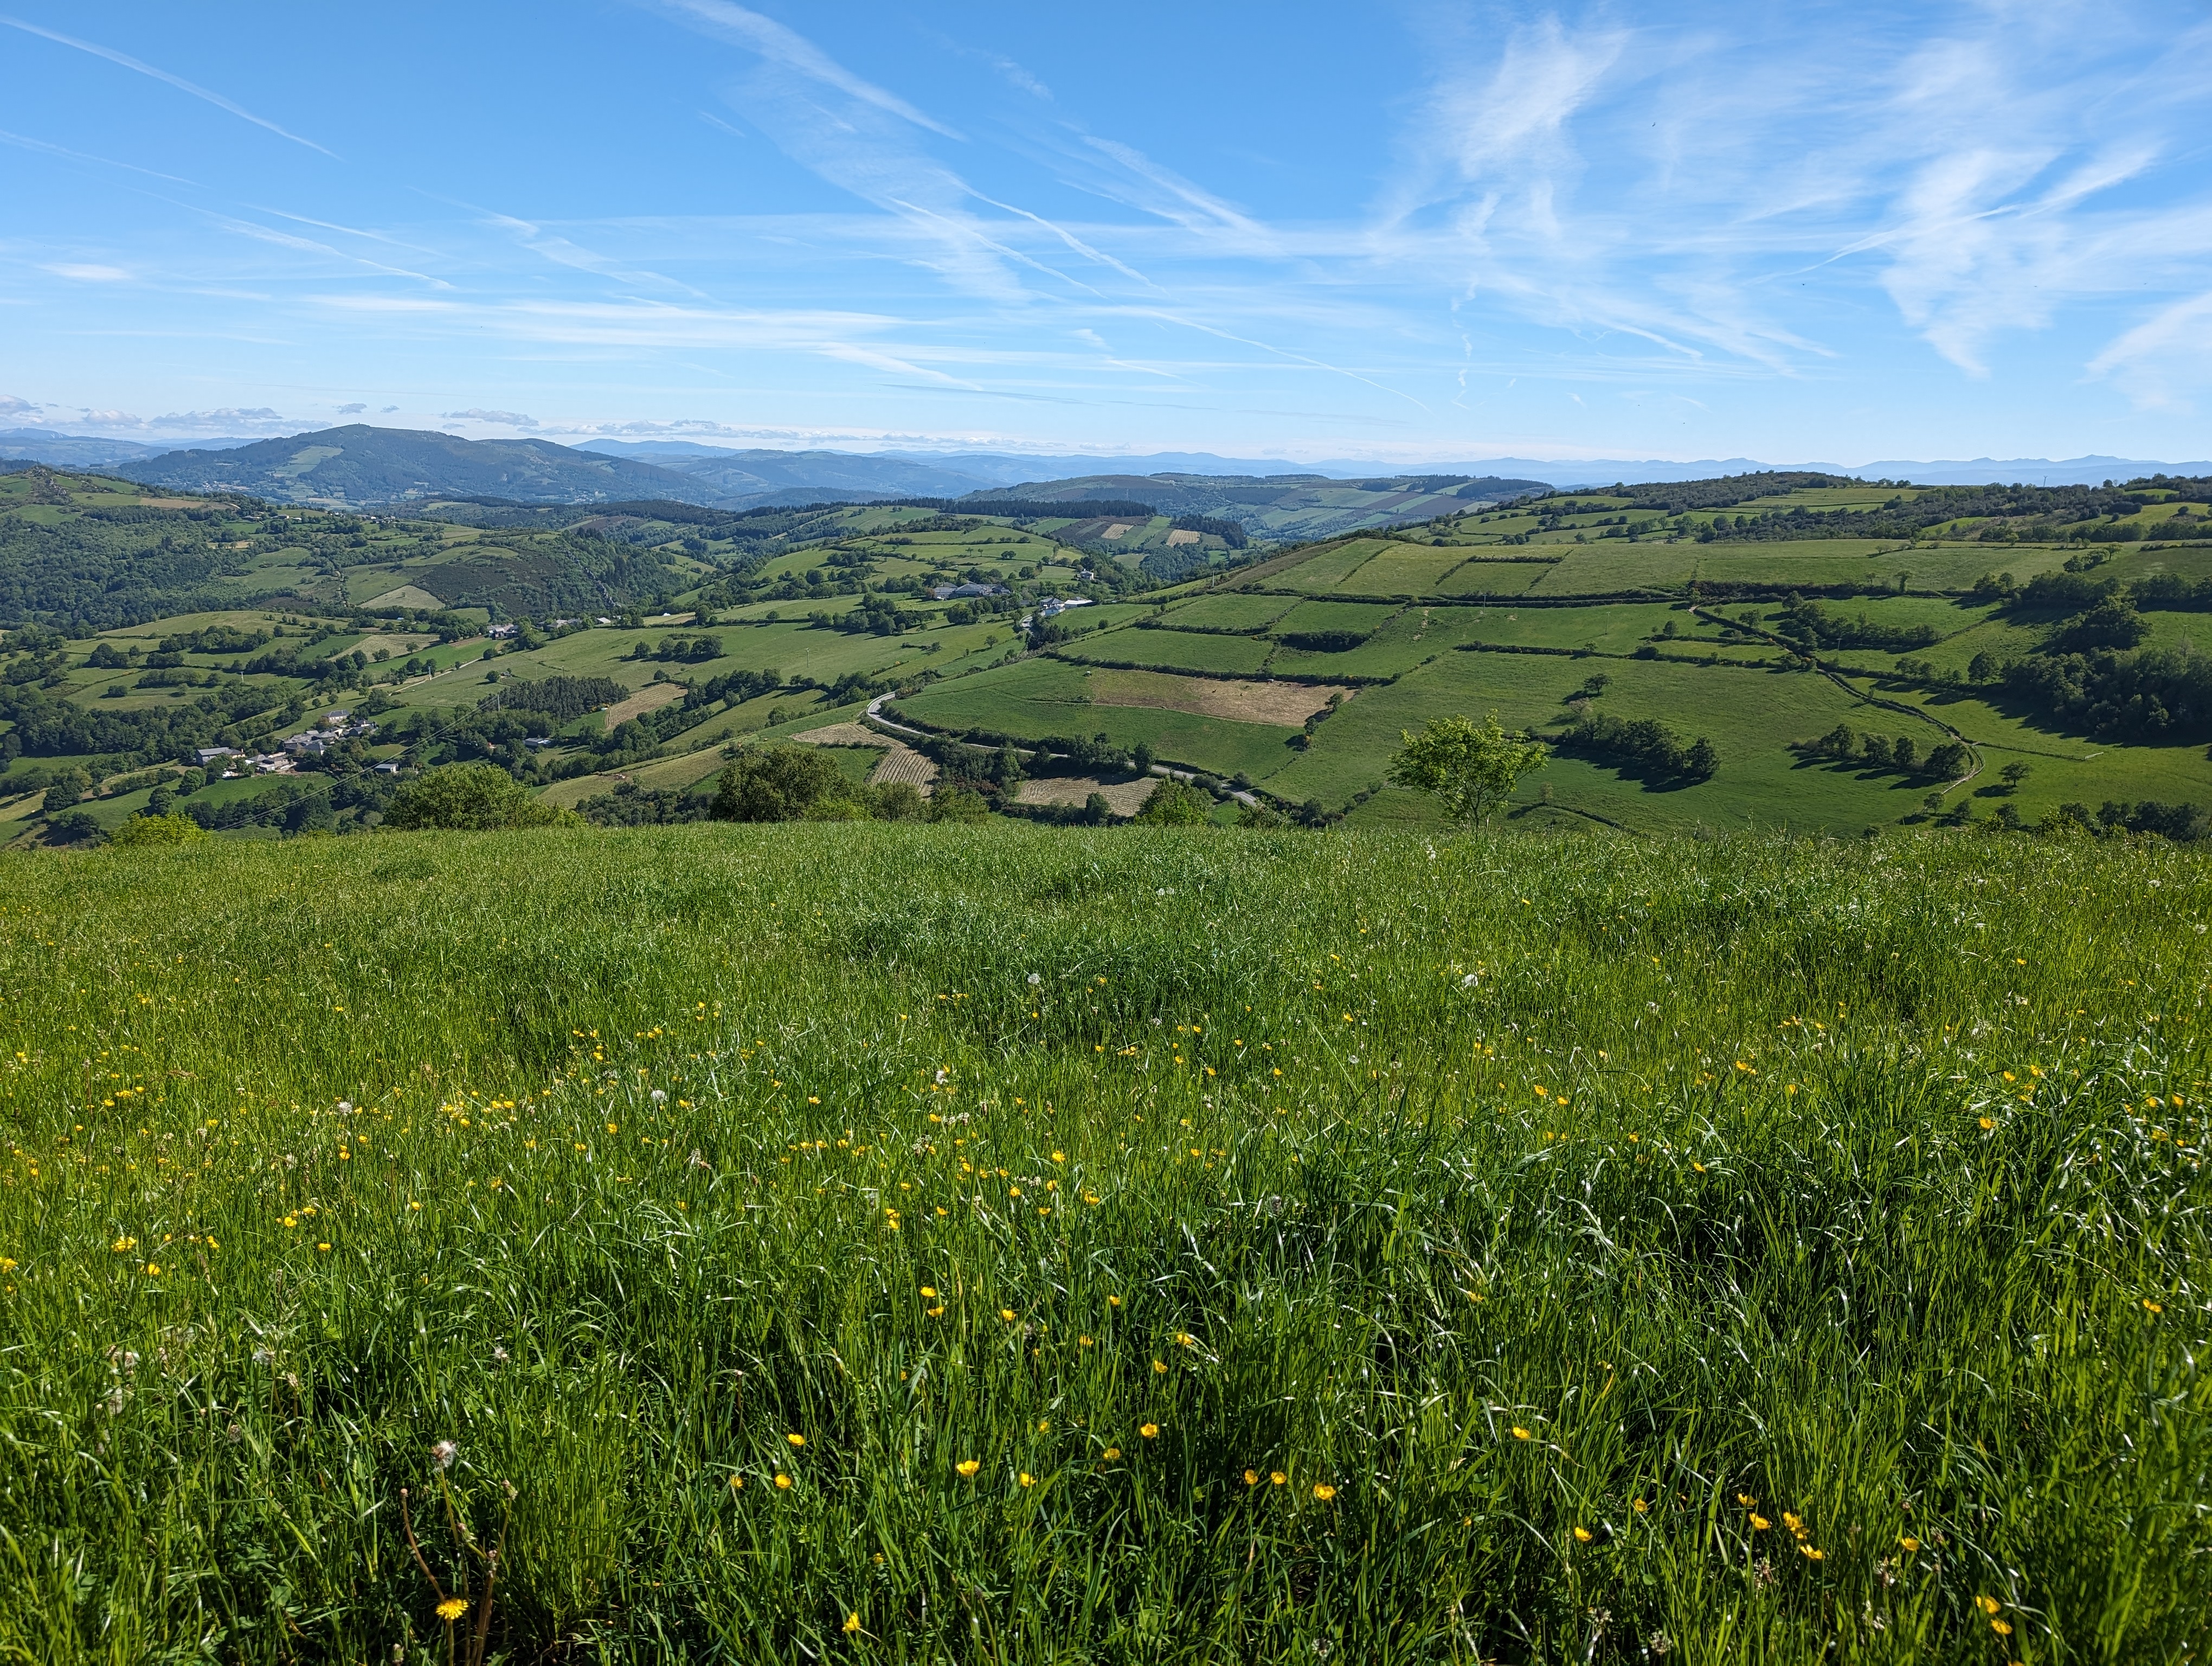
1987	1604
2152	1305
1111	1453
1520	1434
451	1609
1988	1122
1640	1507
929	1292
1811	1554
2002	1628
1910	1543
1582	1536
782	1482
852	1624
737	1483
1027	1478
796	1440
1760	1523
1276	1477
1007	1314
1324	1492
1160	1366
1113	1301
1251	1478
968	1466
1148	1430
936	1312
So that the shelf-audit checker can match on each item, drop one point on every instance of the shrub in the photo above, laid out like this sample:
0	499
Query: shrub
1174	803
957	804
469	798
897	802
781	784
74	827
157	829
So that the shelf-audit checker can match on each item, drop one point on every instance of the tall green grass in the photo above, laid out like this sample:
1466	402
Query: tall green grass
1741	1251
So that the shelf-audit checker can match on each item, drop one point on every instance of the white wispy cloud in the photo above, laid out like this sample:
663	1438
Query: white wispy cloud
285	240
874	144
145	69
2165	355
23	143
788	49
1985	169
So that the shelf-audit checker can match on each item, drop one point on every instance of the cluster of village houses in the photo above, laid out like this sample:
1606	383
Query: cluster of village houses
333	728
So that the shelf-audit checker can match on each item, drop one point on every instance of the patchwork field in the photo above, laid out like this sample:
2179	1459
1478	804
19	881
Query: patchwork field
1578	616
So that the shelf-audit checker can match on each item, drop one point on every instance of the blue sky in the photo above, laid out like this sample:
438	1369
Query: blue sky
1406	233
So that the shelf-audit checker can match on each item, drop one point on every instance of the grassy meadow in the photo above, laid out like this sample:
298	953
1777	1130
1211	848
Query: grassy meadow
867	1242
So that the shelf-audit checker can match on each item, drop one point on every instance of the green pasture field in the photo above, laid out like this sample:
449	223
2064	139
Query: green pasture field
2193	562
2065	766
1401	569
1233	610
1750	715
1311	616
1483	576
1174	650
1328	567
1997	635
1617	566
1051	696
1366	1248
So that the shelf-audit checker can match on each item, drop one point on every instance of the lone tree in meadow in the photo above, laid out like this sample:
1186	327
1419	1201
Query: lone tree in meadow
1470	768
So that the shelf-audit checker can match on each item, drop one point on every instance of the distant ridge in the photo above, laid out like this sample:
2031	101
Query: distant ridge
370	466
88	451
1977	471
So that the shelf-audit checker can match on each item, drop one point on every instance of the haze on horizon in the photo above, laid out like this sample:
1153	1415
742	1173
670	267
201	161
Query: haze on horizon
1416	233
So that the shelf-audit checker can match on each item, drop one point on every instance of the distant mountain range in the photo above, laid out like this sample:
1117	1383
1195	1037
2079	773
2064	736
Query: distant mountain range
365	467
1977	471
360	466
88	451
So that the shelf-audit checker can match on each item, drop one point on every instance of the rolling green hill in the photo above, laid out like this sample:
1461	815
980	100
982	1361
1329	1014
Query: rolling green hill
363	465
1854	654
